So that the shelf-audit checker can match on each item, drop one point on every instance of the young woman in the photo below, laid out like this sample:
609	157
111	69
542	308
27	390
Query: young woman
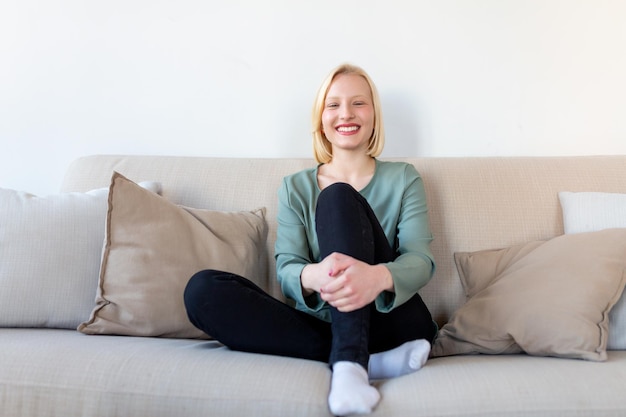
352	250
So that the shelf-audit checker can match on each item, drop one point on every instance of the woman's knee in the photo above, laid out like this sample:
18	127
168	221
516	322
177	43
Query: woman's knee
336	192
215	288
202	299
199	288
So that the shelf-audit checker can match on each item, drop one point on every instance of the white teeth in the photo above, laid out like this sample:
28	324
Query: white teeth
347	128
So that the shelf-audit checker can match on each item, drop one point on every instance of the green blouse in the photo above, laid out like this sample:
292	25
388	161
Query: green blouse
396	194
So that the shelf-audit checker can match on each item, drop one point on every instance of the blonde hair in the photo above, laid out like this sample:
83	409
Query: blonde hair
322	148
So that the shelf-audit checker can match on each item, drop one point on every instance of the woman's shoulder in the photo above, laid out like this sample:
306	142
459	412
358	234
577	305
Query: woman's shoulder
396	168
305	176
299	186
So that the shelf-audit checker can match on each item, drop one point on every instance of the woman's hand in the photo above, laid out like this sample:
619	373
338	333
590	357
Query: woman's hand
345	282
316	276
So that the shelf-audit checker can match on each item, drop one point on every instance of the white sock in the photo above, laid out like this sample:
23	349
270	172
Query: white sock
350	390
406	358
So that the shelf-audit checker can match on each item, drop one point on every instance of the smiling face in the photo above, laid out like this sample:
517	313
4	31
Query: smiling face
348	115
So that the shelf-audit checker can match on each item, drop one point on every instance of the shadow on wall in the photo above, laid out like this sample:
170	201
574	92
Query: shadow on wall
402	121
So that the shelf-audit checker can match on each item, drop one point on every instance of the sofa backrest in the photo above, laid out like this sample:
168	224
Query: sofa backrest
474	203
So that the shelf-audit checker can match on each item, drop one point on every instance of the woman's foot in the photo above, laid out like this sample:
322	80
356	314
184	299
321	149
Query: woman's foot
350	390
406	358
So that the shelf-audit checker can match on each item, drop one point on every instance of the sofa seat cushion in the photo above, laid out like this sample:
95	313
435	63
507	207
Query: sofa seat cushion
72	375
509	386
47	372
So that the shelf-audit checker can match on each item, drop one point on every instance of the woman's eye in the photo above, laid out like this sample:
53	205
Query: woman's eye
332	105
359	103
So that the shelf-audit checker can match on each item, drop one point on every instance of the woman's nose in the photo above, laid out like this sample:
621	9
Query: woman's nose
347	113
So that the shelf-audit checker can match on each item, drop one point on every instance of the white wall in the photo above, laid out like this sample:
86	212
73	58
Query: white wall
237	77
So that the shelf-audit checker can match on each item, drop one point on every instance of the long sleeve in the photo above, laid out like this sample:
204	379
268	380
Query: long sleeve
296	242
415	265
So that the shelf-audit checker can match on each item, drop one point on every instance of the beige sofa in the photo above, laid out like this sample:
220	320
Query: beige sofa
475	204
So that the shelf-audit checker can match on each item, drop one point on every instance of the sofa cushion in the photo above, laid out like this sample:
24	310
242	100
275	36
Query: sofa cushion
591	211
153	247
63	373
549	298
50	249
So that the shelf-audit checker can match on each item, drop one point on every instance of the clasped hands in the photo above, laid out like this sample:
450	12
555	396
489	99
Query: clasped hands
345	282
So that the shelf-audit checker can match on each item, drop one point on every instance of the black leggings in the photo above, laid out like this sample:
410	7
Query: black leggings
243	317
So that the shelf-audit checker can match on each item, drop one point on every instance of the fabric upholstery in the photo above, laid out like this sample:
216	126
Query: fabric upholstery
49	373
508	386
50	250
474	203
156	377
153	247
544	298
591	211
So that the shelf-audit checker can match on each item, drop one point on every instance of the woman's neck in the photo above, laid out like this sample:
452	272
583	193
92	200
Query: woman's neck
357	172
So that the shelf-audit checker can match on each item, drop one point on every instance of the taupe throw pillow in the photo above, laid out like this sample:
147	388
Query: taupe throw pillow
549	298
152	248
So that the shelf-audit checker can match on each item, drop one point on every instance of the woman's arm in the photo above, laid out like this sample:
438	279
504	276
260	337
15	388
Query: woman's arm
414	266
292	250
